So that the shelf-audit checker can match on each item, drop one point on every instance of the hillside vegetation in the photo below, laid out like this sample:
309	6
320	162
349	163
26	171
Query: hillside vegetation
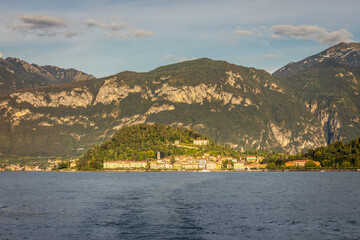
329	85
143	141
338	154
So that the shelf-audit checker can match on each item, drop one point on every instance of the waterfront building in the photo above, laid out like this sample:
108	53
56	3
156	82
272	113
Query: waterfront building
300	163
177	166
138	164
213	166
72	164
201	142
160	166
111	164
32	168
253	165
153	165
289	164
190	166
239	166
169	166
14	167
262	166
202	163
251	159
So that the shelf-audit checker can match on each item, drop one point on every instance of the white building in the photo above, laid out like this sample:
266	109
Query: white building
201	142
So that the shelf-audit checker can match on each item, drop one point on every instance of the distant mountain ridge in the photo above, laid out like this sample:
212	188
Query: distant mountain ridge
245	108
347	54
16	74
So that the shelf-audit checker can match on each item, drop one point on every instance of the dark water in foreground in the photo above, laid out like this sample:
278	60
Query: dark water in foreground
272	205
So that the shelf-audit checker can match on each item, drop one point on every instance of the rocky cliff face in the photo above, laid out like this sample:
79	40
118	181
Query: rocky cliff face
246	108
328	84
243	107
16	74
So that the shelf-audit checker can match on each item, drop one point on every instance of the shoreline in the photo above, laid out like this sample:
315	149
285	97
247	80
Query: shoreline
208	171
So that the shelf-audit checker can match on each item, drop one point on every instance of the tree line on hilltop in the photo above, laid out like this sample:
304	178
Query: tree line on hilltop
142	142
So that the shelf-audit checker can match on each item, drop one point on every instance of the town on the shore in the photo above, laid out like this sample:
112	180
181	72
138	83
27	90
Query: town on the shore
206	162
181	163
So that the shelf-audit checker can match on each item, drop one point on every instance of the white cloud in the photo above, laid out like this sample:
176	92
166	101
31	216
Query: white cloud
1	55
132	33
240	32
277	37
177	58
113	26
139	33
271	56
119	30
315	33
170	56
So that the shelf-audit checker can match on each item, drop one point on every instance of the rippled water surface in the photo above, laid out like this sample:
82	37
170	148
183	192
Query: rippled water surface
265	205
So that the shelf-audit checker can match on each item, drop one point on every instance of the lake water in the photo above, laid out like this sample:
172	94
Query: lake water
250	205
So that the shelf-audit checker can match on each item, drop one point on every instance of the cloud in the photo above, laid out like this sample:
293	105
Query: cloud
71	34
119	30
277	37
314	33
41	22
141	33
41	25
130	34
170	56
177	58
240	32
113	26
272	56
1	55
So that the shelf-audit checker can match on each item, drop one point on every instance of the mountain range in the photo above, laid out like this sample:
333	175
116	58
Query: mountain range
16	74
303	105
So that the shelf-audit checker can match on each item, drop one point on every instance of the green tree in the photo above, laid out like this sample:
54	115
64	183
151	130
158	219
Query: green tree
64	165
145	158
271	165
318	156
327	163
150	154
310	164
357	161
346	164
224	164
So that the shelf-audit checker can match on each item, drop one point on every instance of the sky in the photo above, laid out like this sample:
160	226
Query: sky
109	36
